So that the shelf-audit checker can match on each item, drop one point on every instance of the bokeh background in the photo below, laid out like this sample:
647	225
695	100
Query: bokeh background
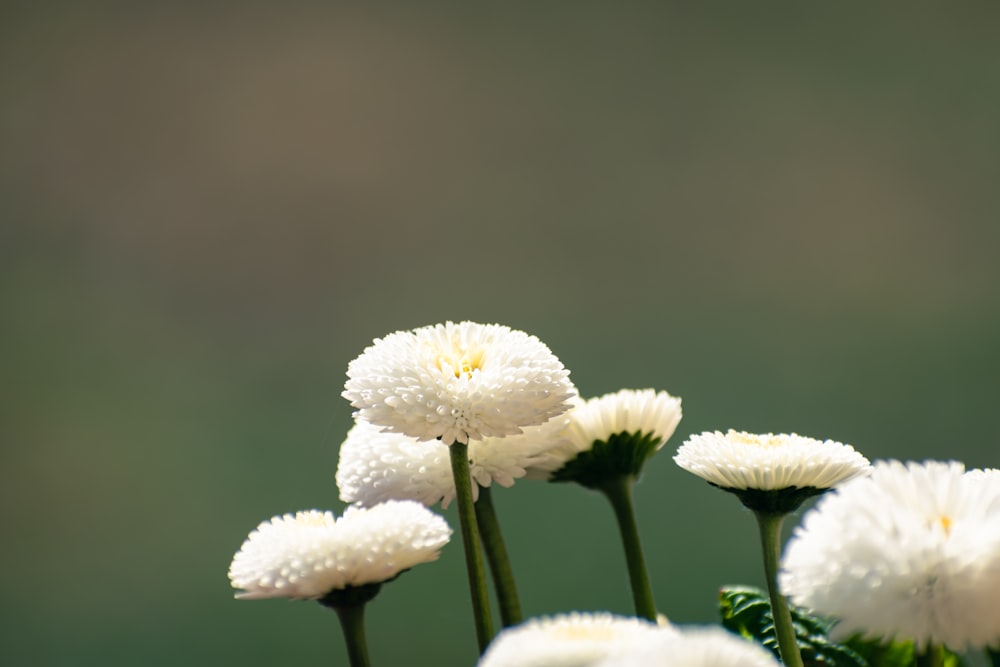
785	214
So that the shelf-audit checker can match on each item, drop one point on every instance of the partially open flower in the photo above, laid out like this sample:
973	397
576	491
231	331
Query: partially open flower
610	436
568	640
310	554
458	382
911	552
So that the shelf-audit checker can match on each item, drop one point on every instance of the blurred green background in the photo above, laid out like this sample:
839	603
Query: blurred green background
785	214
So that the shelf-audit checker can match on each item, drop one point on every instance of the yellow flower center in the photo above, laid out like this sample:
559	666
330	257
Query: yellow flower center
945	523
756	440
462	362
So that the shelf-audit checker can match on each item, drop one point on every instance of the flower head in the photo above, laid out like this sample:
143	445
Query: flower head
309	554
612	434
737	460
694	647
458	382
568	640
910	552
375	466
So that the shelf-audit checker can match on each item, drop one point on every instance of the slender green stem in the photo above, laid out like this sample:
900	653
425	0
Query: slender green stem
770	541
496	556
352	620
619	492
932	656
470	539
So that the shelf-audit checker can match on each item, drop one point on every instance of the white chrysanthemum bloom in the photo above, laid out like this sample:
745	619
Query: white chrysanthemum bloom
309	554
986	475
910	552
568	640
458	382
375	466
744	461
694	647
651	414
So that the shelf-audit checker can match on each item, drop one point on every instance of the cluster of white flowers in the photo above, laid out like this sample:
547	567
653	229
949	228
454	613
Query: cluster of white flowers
895	551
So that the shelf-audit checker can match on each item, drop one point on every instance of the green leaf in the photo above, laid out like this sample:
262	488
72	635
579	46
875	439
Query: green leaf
747	611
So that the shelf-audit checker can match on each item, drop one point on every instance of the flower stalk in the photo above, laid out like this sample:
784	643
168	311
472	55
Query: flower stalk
618	491
352	621
496	556
770	541
470	540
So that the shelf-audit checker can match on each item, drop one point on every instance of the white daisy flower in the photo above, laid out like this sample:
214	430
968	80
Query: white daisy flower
568	640
693	647
743	461
458	382
646	418
910	553
986	475
375	466
309	554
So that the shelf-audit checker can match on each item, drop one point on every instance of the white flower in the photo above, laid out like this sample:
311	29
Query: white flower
648	412
458	382
694	647
986	475
376	466
741	461
911	552
307	555
568	640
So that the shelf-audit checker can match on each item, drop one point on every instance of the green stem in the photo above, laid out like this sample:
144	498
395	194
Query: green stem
994	655
470	539
619	491
352	620
932	656
770	541
496	556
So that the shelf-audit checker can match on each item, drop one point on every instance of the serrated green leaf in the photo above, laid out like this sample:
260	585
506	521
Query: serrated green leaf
747	612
